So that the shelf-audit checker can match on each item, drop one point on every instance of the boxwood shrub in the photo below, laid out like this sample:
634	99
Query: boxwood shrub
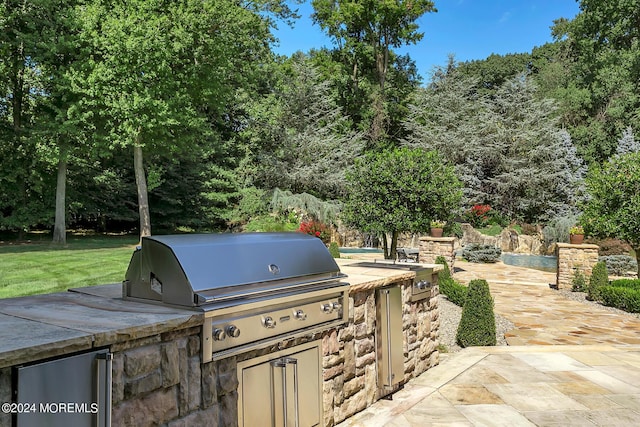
454	291
477	326
626	283
624	298
599	278
481	253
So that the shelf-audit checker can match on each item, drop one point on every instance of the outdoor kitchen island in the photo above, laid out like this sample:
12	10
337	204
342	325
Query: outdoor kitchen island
157	375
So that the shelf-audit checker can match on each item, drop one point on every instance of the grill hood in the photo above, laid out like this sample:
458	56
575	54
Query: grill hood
196	269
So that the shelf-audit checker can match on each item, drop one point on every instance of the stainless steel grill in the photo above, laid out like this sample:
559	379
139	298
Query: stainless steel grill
255	289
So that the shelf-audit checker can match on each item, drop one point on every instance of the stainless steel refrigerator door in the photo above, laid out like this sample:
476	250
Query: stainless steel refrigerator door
390	337
71	391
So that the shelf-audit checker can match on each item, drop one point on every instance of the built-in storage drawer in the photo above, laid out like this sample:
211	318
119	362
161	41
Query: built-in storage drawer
281	389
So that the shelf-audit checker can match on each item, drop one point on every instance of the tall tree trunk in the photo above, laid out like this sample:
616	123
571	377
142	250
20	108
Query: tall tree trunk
143	198
394	244
60	226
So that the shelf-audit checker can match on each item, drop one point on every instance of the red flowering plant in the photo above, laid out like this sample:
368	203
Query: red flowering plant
315	228
479	215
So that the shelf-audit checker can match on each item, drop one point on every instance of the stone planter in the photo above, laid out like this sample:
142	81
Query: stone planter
436	232
576	239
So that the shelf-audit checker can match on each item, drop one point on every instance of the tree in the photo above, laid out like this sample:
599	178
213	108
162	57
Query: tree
366	31
614	200
24	171
299	139
508	149
161	71
627	143
400	190
603	40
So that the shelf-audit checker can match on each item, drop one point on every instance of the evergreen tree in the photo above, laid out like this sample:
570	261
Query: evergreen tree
627	143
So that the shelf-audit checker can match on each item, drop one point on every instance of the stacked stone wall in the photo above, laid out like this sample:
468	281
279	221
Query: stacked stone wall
433	247
572	258
349	353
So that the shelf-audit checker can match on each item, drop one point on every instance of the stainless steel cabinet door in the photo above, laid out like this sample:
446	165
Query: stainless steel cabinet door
283	391
71	391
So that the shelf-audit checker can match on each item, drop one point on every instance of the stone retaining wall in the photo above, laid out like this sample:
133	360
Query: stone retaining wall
572	257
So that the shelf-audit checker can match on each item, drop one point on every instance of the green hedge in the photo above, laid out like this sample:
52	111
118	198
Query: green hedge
477	326
454	291
626	283
624	298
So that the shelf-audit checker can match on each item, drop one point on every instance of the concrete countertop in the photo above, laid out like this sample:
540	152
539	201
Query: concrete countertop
41	326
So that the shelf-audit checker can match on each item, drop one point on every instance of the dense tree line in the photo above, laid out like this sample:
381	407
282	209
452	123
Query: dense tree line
123	115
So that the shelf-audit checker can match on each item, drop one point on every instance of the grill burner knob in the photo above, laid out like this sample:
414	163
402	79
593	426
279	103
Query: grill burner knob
268	322
327	308
233	331
299	314
336	306
422	284
219	335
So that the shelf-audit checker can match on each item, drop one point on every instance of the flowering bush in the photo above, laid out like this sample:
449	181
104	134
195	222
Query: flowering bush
479	215
316	229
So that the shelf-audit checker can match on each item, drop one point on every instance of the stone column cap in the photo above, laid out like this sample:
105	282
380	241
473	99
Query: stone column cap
582	246
438	239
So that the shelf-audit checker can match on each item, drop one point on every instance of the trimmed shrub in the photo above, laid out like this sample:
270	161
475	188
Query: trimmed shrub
624	298
445	273
334	250
454	291
619	265
481	253
579	282
599	278
477	326
626	283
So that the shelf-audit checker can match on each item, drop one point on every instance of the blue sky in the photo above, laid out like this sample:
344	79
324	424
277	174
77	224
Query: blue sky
469	29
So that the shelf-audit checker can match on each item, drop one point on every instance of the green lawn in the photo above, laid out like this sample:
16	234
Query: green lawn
39	267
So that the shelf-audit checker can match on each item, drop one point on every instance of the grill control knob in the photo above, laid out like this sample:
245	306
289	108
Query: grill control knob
326	308
299	314
336	306
219	335
268	322
422	284
233	331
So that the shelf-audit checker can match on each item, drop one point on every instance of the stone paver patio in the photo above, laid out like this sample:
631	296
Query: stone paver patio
567	364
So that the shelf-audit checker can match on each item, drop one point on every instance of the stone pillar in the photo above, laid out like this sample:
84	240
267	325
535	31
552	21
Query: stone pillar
433	247
571	257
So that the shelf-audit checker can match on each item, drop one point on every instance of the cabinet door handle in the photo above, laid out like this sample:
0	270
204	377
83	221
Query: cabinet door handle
282	365
105	362
296	408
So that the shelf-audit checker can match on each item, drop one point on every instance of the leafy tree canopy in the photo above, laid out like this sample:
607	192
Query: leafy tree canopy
400	190
614	202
